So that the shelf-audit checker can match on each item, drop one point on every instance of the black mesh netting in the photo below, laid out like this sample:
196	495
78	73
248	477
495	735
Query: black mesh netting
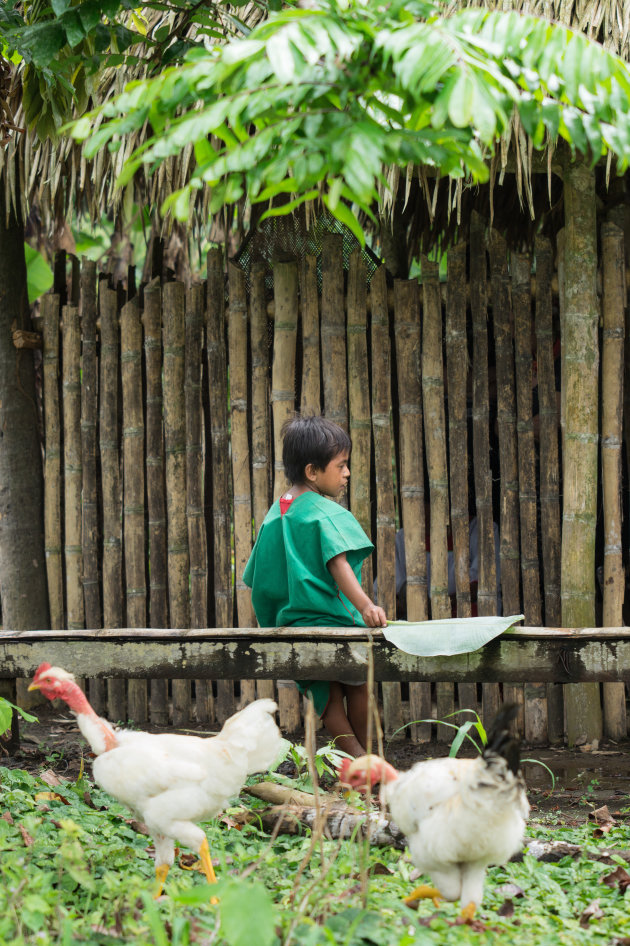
283	238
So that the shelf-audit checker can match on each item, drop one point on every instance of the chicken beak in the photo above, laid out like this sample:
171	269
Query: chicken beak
34	686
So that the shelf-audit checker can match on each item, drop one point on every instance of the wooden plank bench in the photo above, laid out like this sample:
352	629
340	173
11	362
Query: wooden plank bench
524	654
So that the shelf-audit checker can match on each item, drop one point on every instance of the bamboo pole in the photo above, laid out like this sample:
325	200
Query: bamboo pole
411	479
241	479
614	313
261	419
285	289
487	585
384	479
89	509
359	404
549	468
580	378
52	469
73	471
156	501
110	484
195	513
435	445
457	383
221	468
173	335
261	433
333	331
133	491
536	722
311	366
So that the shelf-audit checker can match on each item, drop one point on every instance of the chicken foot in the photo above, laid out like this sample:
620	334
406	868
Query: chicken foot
424	892
468	912
161	871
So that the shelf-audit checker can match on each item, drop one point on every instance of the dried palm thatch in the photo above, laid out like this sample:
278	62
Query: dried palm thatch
56	176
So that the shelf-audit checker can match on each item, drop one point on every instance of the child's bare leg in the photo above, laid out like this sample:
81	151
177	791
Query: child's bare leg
337	723
357	701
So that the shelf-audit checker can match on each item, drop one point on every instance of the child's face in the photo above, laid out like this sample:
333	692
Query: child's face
334	478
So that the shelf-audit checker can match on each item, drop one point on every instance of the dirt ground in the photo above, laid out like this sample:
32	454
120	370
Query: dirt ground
583	780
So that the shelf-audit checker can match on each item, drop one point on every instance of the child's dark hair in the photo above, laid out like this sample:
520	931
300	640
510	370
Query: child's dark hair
311	439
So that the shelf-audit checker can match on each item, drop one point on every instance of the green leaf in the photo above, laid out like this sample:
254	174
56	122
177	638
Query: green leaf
343	213
242	927
39	275
6	713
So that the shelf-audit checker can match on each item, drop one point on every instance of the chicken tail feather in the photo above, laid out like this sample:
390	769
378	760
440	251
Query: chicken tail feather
501	741
255	731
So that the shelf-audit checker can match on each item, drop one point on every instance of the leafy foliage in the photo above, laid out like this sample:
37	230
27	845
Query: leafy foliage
74	868
318	101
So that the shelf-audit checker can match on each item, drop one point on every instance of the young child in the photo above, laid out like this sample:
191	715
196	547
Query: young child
305	567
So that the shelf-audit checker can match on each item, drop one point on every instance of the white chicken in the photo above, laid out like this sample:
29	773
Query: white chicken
459	815
169	780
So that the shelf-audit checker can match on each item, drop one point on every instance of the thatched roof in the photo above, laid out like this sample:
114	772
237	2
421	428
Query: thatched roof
57	177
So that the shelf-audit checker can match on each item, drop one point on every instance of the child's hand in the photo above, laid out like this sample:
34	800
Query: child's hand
374	616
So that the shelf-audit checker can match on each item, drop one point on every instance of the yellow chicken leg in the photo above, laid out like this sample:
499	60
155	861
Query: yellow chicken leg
424	892
161	870
206	862
468	912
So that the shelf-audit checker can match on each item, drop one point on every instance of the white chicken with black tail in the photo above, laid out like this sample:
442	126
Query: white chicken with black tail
459	815
171	781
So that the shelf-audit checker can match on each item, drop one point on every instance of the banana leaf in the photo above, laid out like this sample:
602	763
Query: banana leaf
447	637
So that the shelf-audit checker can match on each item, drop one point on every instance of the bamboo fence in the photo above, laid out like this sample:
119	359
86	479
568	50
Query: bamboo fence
163	413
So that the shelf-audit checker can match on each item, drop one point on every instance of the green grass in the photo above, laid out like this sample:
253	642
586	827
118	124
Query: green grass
78	872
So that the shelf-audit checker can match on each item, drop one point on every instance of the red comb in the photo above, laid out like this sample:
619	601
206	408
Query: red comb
42	668
343	771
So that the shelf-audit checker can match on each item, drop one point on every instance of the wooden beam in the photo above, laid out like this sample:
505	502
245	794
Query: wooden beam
566	655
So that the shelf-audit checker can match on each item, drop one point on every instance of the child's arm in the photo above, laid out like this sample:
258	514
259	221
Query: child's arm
346	581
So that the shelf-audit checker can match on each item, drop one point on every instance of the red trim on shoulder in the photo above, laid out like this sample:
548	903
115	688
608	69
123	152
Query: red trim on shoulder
285	502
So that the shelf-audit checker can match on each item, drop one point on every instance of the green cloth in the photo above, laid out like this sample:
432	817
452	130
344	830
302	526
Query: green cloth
447	637
291	585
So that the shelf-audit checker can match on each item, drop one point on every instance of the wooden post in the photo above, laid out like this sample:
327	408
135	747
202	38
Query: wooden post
221	536
383	453
285	291
359	404
173	335
239	384
457	379
311	366
487	587
52	477
549	467
435	444
195	513
73	472
133	490
89	507
536	730
261	433
411	478
580	380
156	500
614	312
262	473
110	484
333	331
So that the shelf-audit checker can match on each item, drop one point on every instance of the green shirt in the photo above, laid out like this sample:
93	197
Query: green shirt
287	572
